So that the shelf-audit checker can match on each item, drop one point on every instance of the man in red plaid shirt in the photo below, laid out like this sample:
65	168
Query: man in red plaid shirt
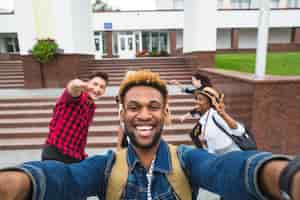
72	116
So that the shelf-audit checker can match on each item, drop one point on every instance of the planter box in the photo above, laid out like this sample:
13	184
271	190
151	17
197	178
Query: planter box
54	74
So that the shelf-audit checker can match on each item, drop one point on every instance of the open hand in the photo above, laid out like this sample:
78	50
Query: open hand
174	82
80	85
219	105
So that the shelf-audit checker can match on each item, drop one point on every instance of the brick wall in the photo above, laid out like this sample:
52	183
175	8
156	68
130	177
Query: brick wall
269	107
57	73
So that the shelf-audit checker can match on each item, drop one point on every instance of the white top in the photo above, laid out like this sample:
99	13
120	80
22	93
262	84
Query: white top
217	140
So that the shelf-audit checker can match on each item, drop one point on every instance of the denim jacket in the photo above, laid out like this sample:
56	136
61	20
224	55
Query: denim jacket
234	175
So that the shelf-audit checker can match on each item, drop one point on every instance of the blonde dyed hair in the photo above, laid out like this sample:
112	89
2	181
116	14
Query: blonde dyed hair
149	79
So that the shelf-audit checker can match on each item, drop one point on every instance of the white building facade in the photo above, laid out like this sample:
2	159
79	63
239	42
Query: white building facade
175	27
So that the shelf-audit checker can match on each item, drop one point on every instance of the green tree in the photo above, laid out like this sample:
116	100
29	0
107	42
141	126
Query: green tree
100	5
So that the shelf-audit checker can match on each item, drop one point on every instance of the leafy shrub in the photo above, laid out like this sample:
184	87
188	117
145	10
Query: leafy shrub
164	53
154	53
44	50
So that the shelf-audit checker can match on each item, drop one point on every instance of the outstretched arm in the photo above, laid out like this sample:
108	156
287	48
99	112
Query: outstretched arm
282	174
240	175
14	185
76	87
269	178
50	180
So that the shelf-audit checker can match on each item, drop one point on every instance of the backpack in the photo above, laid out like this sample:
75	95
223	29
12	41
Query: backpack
119	174
245	142
195	133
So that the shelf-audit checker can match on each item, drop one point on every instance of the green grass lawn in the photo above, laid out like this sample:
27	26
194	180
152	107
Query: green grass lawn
277	63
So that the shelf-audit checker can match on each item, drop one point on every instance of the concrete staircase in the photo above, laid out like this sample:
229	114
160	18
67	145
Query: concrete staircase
11	74
169	68
24	122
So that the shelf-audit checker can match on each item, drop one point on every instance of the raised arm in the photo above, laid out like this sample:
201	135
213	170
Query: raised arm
76	87
220	108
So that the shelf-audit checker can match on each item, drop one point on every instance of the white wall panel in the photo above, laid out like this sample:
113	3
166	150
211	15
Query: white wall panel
249	18
8	23
200	31
164	4
147	20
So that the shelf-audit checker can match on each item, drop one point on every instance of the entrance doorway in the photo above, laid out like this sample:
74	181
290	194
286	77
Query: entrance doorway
98	40
126	47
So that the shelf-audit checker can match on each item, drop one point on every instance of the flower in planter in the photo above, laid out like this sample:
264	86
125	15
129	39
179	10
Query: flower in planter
44	50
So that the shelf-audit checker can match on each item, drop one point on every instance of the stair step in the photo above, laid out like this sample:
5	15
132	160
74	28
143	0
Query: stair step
93	142
12	73
122	73
181	96
11	77
99	112
11	86
130	67
44	121
102	130
11	81
99	104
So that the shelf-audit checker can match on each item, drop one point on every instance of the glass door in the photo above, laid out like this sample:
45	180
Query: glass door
127	46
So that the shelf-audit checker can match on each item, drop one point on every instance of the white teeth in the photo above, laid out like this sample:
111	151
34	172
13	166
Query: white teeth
144	127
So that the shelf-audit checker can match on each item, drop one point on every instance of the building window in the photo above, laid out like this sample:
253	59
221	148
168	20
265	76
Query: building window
241	4
99	41
293	3
163	41
11	45
115	43
146	41
155	41
274	3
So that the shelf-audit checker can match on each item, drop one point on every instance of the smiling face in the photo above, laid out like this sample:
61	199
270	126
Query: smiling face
143	116
96	87
203	103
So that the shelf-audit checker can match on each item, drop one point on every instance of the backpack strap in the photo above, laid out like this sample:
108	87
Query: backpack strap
221	127
177	177
119	174
118	177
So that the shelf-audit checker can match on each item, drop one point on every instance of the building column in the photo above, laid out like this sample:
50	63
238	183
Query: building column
173	43
200	36
109	43
234	38
283	3
295	38
67	22
226	4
